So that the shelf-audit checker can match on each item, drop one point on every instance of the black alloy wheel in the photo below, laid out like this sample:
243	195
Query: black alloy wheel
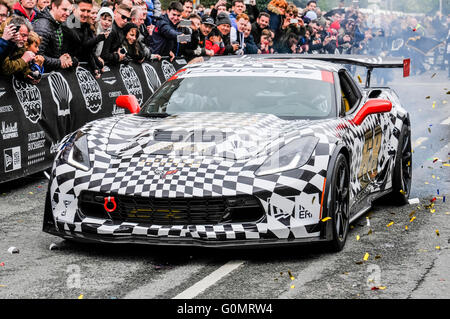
339	204
402	175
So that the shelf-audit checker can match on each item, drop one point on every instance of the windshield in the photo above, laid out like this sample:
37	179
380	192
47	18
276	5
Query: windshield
285	97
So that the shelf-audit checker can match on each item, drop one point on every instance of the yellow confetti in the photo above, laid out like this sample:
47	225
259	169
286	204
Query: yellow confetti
3	286
357	237
390	224
402	192
293	286
80	296
432	210
366	256
406	227
434	104
447	164
382	287
433	176
325	219
31	193
438	247
412	219
426	183
290	275
369	232
437	232
412	213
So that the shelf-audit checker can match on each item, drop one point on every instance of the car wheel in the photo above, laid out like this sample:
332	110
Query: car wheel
339	203
402	176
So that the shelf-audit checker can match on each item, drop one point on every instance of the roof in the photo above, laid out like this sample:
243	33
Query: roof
256	62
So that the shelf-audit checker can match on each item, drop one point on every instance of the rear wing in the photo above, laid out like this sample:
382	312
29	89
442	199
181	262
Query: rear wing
369	62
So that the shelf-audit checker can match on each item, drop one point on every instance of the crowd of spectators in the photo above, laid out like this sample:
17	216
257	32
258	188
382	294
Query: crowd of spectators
39	36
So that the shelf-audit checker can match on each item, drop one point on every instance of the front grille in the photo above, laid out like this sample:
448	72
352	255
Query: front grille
173	211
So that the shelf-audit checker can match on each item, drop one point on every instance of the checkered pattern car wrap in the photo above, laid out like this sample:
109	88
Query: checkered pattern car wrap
174	157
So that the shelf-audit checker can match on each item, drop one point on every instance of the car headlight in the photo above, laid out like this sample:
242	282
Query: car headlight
79	153
293	155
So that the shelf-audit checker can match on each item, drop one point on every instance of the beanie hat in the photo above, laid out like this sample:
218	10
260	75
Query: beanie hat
222	18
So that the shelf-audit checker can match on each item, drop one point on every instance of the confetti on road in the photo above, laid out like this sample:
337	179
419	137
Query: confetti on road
81	296
390	224
2	264
325	219
290	275
412	219
13	250
366	257
358	237
437	232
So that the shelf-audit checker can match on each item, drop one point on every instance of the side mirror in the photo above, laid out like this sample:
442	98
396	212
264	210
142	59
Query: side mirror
128	102
372	106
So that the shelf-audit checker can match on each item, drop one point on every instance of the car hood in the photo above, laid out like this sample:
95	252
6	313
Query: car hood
228	135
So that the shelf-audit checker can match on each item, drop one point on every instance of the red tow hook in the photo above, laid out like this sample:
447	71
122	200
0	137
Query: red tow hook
109	200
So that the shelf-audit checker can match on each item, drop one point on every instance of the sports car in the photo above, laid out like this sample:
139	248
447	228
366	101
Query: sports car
236	151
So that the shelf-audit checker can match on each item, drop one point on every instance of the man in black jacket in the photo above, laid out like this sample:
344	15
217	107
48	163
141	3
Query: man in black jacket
53	46
112	52
80	37
165	34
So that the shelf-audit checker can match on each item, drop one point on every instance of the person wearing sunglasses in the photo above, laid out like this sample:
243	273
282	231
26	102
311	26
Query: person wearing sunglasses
112	52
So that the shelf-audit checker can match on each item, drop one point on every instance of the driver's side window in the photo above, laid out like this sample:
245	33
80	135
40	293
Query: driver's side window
350	94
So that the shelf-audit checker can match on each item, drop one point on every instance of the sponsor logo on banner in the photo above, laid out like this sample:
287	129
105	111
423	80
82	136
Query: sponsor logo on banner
36	158
9	130
131	81
116	110
29	98
90	89
152	77
60	92
6	108
168	69
36	140
12	158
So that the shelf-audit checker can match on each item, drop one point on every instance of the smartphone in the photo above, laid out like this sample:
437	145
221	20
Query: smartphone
184	23
294	21
247	1
184	38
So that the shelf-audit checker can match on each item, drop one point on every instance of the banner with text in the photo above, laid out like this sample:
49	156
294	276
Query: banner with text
34	118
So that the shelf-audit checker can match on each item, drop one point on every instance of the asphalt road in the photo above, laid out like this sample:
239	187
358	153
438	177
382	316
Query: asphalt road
378	261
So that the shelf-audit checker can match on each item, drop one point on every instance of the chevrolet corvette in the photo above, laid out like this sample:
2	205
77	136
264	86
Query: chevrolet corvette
236	151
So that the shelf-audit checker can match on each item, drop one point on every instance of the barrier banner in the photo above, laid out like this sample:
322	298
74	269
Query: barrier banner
34	118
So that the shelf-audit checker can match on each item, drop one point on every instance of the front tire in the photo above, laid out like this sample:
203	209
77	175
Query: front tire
339	203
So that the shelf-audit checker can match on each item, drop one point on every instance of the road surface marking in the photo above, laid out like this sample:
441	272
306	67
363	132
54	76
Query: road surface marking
209	280
419	141
446	122
164	282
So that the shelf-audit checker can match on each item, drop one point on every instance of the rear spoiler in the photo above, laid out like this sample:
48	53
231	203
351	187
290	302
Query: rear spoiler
369	62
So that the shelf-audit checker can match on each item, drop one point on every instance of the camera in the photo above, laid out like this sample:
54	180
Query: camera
184	38
294	21
123	51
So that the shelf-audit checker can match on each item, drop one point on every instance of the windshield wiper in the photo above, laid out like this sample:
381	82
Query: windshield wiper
155	114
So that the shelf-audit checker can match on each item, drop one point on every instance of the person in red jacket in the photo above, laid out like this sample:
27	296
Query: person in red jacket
214	42
25	8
